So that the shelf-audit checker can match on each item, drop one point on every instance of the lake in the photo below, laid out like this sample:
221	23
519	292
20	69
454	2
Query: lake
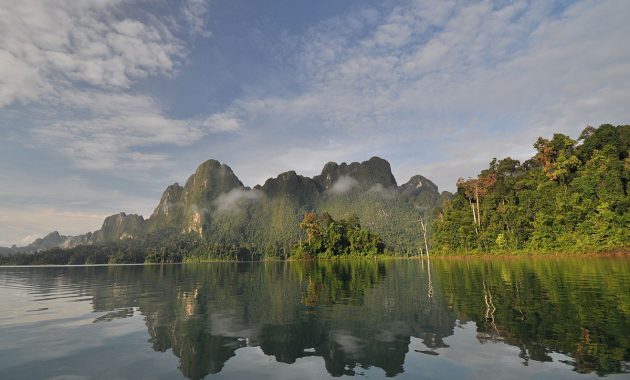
448	318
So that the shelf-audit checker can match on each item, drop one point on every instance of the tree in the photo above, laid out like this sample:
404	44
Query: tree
310	224
475	189
424	234
557	157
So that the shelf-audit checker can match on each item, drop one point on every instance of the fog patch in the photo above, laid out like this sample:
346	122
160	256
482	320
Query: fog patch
381	190
343	185
235	199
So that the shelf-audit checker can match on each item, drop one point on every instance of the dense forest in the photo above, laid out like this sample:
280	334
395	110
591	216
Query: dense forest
328	238
571	196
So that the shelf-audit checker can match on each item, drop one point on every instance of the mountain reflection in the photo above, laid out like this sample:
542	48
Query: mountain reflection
361	314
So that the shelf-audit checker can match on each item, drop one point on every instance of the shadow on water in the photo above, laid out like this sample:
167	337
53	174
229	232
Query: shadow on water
361	314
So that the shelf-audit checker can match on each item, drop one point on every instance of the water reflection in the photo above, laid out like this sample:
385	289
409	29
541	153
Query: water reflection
354	315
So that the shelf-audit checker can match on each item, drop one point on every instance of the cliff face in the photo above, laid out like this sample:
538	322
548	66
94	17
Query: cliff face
121	227
187	209
302	190
375	171
170	203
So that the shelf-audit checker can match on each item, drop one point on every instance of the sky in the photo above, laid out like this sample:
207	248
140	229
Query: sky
103	103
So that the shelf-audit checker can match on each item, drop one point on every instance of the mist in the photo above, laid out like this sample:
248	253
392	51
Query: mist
343	185
235	199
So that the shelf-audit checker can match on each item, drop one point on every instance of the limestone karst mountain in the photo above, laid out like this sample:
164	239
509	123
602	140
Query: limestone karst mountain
215	205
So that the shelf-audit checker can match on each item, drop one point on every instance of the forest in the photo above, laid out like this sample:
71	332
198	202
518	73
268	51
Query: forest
328	238
572	196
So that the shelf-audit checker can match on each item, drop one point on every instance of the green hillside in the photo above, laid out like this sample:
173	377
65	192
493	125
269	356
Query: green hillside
571	196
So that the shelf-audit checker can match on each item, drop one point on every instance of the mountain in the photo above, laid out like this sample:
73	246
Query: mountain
8	250
186	207
215	205
120	226
52	240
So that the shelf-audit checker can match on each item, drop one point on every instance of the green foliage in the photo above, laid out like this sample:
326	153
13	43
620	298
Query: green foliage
569	197
501	241
327	238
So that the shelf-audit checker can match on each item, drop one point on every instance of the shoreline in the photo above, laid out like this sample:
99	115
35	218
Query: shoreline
613	253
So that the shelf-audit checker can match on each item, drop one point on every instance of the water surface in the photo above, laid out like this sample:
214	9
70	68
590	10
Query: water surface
499	318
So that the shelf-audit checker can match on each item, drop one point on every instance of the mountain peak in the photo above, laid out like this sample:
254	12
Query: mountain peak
121	226
367	173
211	179
291	184
171	197
210	164
54	234
418	184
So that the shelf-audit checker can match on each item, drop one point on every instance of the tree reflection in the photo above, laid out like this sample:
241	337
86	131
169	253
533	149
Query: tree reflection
577	307
361	314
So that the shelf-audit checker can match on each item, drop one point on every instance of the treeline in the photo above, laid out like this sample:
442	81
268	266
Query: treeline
166	247
323	237
571	196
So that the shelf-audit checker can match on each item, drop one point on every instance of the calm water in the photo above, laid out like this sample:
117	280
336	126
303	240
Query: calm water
525	318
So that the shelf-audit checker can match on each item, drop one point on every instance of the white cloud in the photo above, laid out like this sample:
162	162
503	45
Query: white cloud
58	42
235	198
116	127
392	35
387	193
195	13
442	83
18	82
222	122
343	185
74	62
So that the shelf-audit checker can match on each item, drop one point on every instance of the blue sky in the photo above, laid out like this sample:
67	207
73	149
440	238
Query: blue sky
103	103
